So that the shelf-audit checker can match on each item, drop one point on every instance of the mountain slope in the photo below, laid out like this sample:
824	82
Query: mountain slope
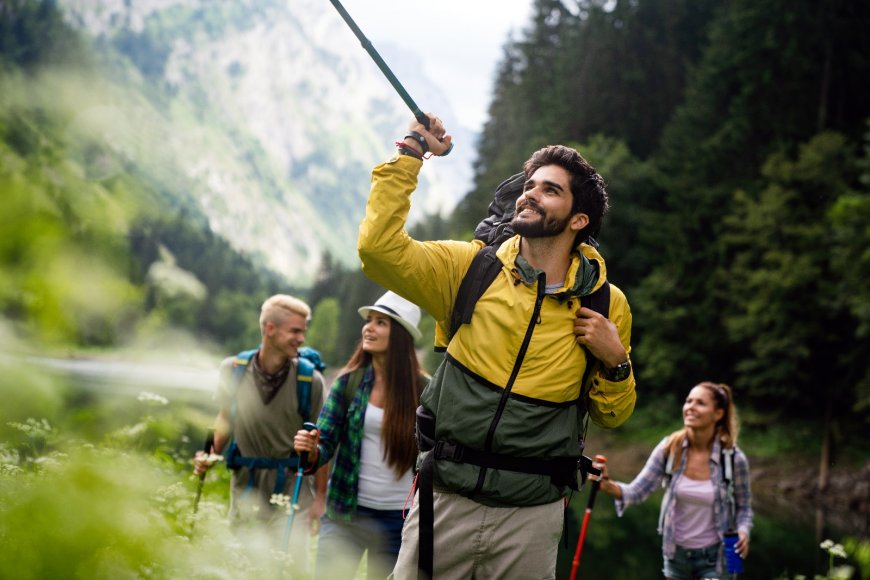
265	116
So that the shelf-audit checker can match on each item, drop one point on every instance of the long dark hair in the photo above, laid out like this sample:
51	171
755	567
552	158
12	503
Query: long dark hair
404	382
727	428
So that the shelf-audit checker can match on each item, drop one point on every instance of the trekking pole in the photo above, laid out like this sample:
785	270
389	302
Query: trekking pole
366	44
206	448
294	505
592	493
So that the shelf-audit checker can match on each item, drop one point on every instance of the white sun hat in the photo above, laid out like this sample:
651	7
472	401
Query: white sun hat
402	311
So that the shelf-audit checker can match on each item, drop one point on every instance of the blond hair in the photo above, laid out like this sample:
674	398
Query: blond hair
276	308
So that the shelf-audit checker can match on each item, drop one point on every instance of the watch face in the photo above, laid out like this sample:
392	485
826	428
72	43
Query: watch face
620	372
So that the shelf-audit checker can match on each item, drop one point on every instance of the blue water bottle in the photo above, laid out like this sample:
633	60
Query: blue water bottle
732	559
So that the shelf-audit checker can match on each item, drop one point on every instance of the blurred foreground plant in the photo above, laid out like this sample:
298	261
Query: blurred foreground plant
857	549
96	512
118	505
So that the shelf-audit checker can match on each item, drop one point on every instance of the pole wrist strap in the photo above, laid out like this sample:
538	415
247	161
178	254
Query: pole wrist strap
424	146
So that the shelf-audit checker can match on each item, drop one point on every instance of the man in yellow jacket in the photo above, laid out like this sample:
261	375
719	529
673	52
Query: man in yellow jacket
508	403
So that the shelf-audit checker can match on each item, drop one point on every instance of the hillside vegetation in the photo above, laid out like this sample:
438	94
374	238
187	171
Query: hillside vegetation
733	137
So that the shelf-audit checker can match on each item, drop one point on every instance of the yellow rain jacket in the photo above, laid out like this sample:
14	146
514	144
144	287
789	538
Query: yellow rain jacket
540	417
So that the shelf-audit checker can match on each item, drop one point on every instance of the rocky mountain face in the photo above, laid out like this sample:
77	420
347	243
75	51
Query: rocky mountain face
265	116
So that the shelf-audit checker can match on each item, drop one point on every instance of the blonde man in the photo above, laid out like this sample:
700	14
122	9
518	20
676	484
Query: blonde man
259	415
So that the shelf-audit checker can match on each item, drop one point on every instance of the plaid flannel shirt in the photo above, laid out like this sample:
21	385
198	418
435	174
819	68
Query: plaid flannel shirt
341	427
653	473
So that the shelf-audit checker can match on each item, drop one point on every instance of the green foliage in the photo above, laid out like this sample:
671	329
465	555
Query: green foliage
859	550
63	249
706	156
234	318
33	35
837	552
25	393
97	484
81	251
580	69
777	284
323	332
120	507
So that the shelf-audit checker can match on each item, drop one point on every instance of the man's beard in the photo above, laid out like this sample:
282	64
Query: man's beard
545	227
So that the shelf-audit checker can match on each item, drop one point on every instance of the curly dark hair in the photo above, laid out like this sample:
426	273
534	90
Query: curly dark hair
588	190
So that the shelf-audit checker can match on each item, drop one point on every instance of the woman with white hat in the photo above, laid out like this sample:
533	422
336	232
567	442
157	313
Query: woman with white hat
367	428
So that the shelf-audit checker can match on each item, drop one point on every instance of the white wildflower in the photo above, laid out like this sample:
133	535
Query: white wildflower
280	500
838	551
148	397
46	460
33	427
9	469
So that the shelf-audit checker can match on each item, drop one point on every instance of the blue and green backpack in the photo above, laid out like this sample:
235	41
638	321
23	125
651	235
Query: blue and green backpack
309	361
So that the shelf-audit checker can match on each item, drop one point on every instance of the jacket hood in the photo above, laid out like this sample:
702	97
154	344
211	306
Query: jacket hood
586	273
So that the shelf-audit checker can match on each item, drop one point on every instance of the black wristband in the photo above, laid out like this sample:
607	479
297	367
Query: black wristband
405	150
424	147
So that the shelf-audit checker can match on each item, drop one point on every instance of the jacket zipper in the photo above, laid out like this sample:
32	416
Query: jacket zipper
521	355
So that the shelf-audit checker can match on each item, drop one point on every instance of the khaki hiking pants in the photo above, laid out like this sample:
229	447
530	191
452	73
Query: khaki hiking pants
477	541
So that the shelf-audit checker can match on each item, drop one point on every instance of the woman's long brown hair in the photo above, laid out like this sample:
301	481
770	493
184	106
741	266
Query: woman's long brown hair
404	384
727	427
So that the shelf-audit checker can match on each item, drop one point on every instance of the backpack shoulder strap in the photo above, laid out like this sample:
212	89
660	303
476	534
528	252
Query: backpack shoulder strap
599	301
352	384
669	470
726	465
304	377
240	365
483	270
241	362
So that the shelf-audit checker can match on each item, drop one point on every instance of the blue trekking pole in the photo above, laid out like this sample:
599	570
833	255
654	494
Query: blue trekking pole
294	503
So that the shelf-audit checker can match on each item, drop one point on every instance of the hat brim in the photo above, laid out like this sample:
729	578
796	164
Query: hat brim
412	330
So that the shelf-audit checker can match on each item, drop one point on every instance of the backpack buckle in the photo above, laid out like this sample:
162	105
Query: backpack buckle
449	451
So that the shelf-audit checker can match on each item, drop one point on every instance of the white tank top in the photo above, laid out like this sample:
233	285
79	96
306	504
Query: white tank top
378	487
693	513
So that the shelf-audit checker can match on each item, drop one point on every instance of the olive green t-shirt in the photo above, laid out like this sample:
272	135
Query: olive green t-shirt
265	430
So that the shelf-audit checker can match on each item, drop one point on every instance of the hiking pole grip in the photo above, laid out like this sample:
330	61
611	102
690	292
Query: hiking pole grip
303	457
209	442
424	120
206	448
596	484
575	564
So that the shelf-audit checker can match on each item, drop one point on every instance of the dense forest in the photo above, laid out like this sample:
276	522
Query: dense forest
733	136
